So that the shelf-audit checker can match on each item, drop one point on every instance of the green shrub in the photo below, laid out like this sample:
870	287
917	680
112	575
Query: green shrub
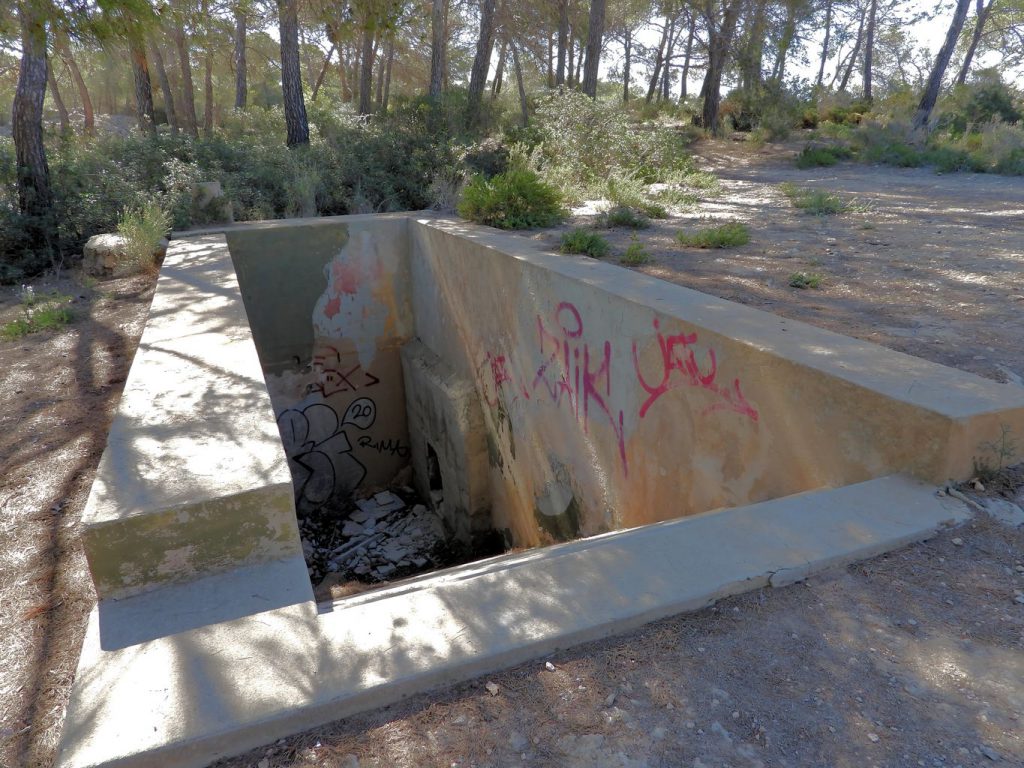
143	228
584	241
635	253
805	280
985	99
816	156
517	199
813	201
726	235
623	216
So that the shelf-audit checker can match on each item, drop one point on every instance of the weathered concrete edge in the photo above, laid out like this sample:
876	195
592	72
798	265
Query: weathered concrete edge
862	505
966	394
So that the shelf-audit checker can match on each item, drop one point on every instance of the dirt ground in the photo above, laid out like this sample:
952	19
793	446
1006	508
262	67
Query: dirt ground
911	659
933	267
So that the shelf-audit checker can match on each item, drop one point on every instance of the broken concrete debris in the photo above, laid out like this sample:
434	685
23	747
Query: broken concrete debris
382	537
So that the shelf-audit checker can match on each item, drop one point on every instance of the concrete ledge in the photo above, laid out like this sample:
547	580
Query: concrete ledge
192	697
194	480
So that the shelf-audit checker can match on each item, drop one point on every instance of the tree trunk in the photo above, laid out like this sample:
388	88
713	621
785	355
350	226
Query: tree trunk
869	50
291	74
595	32
323	73
58	102
241	69
499	73
931	90
979	27
719	41
387	76
824	45
628	60
438	47
666	70
143	85
34	195
366	71
524	113
563	40
550	75
856	50
379	98
658	62
88	122
753	53
481	62
165	86
580	50
686	59
188	100
788	31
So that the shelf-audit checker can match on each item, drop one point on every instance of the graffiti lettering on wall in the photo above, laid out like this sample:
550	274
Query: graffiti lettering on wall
320	452
678	356
331	376
389	446
576	374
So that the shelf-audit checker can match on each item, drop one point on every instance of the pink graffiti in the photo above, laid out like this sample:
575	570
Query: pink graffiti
678	355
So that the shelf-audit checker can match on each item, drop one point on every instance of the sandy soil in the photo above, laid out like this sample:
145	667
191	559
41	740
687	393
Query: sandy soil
913	659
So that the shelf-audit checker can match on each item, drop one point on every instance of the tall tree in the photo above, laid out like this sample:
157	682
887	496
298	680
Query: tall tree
35	197
931	90
60	44
207	72
825	42
58	102
563	40
869	49
438	46
481	63
291	74
143	84
180	38
165	85
239	58
720	20
979	28
595	33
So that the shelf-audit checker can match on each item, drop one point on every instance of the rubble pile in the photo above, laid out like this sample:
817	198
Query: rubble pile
379	538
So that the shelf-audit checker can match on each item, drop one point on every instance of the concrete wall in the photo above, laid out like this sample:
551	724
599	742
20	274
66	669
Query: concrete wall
612	399
329	306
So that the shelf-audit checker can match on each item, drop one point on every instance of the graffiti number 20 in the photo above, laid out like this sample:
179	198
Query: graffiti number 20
361	412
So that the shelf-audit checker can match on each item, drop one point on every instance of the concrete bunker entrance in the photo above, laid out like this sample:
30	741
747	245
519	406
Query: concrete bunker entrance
288	368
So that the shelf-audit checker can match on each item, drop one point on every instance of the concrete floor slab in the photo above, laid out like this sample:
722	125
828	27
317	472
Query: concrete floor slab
189	698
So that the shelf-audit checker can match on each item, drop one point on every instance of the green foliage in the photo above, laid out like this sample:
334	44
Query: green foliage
635	254
584	241
516	199
985	99
41	312
805	280
813	201
770	110
142	228
726	235
817	156
623	216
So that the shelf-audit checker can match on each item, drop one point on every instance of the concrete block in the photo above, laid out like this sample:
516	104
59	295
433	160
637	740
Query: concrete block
448	440
192	697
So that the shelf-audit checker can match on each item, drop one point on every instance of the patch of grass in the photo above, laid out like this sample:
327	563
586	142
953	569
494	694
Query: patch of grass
42	312
516	199
584	241
805	280
814	157
623	216
726	235
814	201
635	254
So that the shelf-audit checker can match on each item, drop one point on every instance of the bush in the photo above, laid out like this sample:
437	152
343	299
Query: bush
985	99
805	280
41	312
586	242
623	216
517	199
726	235
817	156
814	201
142	228
635	253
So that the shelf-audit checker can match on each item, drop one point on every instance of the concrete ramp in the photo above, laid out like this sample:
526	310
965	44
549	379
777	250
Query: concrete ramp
189	698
